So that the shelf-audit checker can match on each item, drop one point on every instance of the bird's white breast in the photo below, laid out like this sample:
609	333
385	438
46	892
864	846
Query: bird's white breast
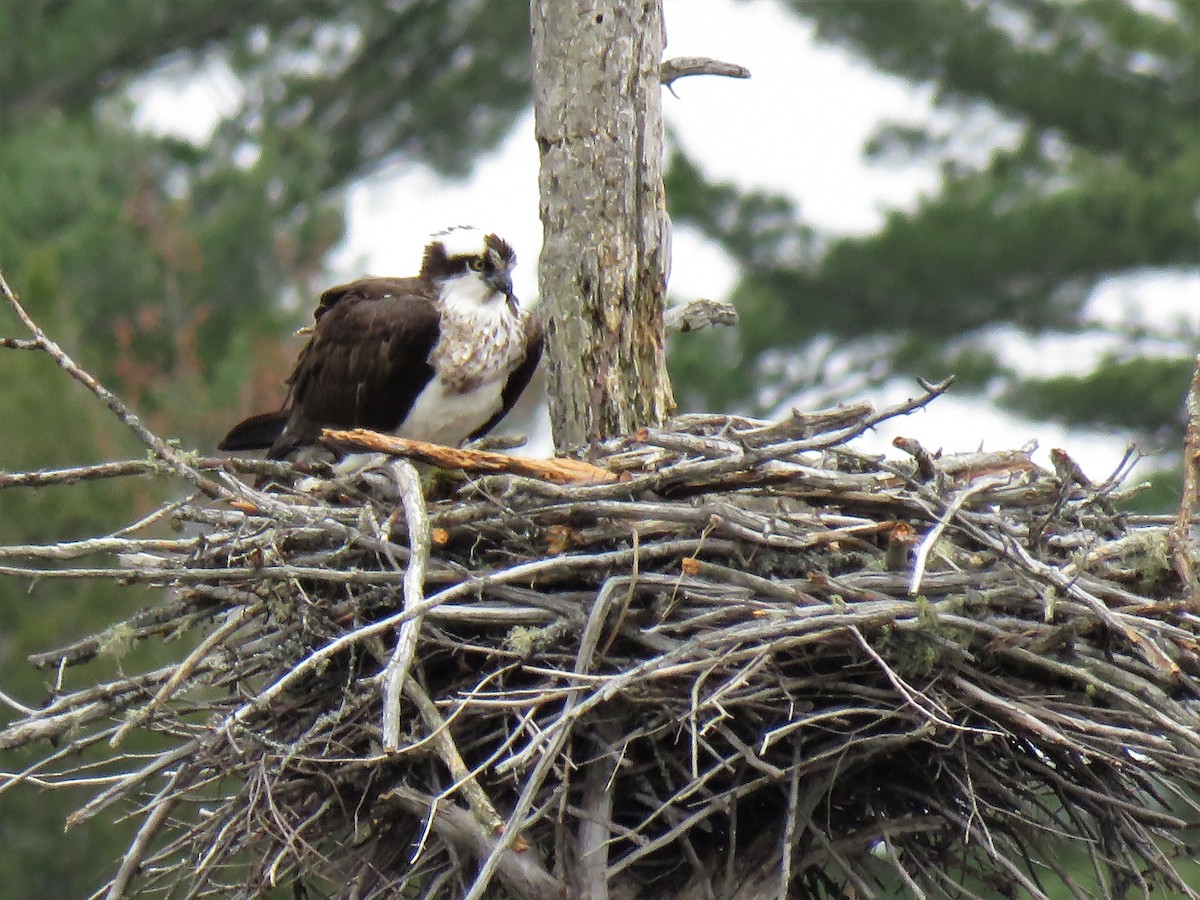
481	342
441	415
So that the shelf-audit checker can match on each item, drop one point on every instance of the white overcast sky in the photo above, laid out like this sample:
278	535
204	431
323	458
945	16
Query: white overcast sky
797	126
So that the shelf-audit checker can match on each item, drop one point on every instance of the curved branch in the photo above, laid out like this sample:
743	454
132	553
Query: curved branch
683	66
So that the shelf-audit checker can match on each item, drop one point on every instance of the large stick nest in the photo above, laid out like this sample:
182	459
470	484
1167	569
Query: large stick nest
760	663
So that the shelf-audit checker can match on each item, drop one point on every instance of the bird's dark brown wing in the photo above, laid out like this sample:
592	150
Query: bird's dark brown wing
519	379
368	288
365	363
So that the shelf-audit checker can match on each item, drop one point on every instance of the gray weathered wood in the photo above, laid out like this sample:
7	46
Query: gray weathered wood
603	269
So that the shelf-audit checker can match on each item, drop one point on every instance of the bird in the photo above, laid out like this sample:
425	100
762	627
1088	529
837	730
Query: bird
440	357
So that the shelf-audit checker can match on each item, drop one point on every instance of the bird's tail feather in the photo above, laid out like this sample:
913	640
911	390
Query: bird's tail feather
255	433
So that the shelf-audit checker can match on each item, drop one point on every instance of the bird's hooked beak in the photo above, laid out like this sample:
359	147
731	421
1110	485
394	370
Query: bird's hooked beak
500	281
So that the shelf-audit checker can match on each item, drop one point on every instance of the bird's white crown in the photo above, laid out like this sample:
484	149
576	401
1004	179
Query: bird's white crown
462	240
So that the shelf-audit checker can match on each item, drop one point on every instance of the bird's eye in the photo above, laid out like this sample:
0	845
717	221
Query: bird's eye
476	263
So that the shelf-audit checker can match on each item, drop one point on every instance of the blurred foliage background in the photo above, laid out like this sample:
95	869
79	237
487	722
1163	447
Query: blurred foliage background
171	268
1102	182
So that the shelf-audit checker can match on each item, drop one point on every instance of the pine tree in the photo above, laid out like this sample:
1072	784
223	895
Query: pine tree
1101	184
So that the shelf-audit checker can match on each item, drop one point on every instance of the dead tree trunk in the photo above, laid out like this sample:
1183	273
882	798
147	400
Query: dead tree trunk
603	269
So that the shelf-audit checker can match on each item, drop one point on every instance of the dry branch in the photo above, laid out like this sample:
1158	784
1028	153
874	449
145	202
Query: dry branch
394	675
728	658
672	70
698	314
560	471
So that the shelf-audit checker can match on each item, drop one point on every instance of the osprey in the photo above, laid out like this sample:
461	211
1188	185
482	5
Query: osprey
441	357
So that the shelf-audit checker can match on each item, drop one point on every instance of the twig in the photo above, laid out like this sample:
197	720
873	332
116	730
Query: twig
583	660
15	705
596	825
684	66
477	798
922	558
19	344
126	468
520	874
172	457
416	519
166	801
791	826
182	672
926	467
698	314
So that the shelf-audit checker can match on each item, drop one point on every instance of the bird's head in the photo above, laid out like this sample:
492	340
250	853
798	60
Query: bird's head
471	266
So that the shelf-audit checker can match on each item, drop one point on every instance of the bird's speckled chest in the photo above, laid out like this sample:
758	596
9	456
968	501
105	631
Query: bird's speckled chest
477	345
472	361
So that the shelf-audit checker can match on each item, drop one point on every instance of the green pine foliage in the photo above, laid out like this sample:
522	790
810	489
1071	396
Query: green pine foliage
1101	184
1118	393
